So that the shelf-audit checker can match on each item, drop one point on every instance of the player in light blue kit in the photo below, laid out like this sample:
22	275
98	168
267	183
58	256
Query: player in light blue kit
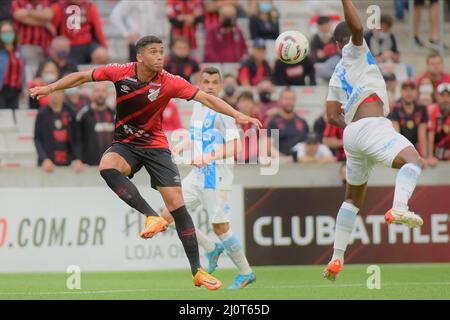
357	101
214	139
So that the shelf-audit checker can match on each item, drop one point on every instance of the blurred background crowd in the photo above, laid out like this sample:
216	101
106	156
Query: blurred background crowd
74	127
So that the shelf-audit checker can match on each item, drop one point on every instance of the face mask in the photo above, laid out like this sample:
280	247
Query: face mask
62	54
426	89
7	37
264	96
71	91
265	6
229	90
49	77
227	23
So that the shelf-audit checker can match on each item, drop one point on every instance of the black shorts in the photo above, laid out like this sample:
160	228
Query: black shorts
158	163
422	2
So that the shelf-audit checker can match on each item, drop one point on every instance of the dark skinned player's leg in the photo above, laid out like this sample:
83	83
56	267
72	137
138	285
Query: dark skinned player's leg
410	165
115	170
173	199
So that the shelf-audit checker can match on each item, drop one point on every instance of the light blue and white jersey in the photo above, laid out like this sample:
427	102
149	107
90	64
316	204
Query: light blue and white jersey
209	131
355	78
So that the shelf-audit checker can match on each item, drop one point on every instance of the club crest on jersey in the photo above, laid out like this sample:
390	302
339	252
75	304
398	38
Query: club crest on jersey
124	88
153	94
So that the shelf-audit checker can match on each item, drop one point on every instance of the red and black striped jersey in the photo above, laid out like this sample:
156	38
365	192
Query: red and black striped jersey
335	132
14	70
32	35
140	105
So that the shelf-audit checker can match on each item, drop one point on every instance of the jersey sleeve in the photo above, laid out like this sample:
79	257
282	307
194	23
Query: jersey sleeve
183	89
109	72
336	94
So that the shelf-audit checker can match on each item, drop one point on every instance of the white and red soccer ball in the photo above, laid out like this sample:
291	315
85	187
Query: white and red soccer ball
292	47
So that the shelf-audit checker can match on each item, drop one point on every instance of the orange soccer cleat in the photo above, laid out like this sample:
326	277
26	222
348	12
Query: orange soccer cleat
202	278
153	226
332	270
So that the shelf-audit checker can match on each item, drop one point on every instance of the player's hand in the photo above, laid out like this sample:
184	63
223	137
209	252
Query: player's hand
48	165
40	92
243	119
78	166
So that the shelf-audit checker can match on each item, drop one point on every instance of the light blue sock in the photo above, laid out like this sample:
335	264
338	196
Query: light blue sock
234	250
405	184
345	222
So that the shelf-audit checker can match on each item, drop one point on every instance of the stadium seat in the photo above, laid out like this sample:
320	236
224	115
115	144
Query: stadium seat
7	123
20	147
25	121
3	148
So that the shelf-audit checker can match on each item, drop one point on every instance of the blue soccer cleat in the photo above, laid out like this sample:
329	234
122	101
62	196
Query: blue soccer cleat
241	281
213	257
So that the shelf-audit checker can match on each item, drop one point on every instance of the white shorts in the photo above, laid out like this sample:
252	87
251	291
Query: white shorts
370	141
216	202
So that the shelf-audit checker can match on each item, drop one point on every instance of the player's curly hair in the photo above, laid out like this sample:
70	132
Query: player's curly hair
145	41
342	32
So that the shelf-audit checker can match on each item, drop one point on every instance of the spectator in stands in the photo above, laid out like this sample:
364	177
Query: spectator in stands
171	118
312	151
319	126
267	107
184	17
333	139
434	40
59	53
180	62
230	90
95	126
88	44
292	128
250	145
435	70
294	74
392	88
225	42
5	10
426	91
55	135
212	11
382	42
34	24
439	133
411	119
322	46
135	19
47	73
264	23
74	98
12	67
255	67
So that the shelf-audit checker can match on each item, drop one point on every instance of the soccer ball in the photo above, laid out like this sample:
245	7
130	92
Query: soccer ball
292	47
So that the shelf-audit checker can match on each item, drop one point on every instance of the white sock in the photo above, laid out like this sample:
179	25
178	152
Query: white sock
234	250
345	222
203	240
405	184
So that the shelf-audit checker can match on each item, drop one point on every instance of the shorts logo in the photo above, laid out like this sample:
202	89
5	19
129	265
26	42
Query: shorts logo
177	179
124	88
153	94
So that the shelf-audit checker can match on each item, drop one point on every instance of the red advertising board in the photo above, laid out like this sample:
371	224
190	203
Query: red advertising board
291	226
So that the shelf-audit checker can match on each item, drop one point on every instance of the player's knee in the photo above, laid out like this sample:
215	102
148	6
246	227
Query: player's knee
174	203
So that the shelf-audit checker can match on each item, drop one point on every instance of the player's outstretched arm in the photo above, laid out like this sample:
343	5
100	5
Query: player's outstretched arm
221	106
71	80
354	22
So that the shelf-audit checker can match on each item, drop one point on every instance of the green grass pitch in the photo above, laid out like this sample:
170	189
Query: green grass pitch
398	281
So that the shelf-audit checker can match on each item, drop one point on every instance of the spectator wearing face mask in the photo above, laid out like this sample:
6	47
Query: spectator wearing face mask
12	67
256	66
230	90
435	70
225	42
392	89
46	74
264	24
180	62
184	17
267	107
322	45
74	98
439	133
426	92
59	53
382	42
